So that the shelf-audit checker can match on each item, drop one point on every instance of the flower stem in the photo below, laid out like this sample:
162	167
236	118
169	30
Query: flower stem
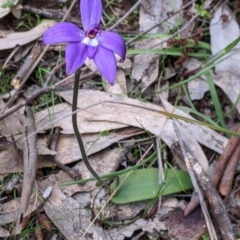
75	128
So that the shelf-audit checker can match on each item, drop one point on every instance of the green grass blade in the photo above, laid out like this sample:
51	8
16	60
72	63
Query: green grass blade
215	99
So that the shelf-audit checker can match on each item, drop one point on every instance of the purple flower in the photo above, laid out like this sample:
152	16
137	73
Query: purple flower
93	43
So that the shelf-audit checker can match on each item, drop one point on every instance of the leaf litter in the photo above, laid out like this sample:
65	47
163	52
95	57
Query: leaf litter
106	118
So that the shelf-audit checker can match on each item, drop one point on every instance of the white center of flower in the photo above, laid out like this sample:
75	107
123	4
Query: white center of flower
93	42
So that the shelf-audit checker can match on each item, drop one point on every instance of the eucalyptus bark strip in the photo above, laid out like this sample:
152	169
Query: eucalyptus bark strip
222	162
30	156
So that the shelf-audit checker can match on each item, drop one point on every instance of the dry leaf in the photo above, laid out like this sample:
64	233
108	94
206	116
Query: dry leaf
183	228
62	114
139	114
11	40
124	232
9	211
146	66
70	218
223	33
120	86
4	233
230	85
67	150
5	7
199	86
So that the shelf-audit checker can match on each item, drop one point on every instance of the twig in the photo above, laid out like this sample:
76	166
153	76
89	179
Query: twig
49	13
29	158
228	175
176	33
28	100
30	165
189	160
218	209
160	23
10	56
29	62
223	160
126	14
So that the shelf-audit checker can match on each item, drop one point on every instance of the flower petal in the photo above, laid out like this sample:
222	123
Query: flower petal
91	12
113	42
75	56
91	51
63	32
106	63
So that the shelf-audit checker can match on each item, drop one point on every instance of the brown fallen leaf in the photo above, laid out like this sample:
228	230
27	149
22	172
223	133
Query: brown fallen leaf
185	228
45	221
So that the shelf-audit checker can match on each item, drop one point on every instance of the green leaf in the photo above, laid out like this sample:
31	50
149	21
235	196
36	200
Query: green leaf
143	184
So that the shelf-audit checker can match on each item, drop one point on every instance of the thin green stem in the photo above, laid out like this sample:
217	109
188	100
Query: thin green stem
75	128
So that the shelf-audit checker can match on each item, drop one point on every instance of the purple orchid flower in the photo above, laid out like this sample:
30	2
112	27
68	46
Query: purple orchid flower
93	43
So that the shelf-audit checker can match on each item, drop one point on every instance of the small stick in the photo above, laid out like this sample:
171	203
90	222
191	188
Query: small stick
160	23
218	209
23	72
190	161
224	159
218	170
225	185
30	157
49	13
28	100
